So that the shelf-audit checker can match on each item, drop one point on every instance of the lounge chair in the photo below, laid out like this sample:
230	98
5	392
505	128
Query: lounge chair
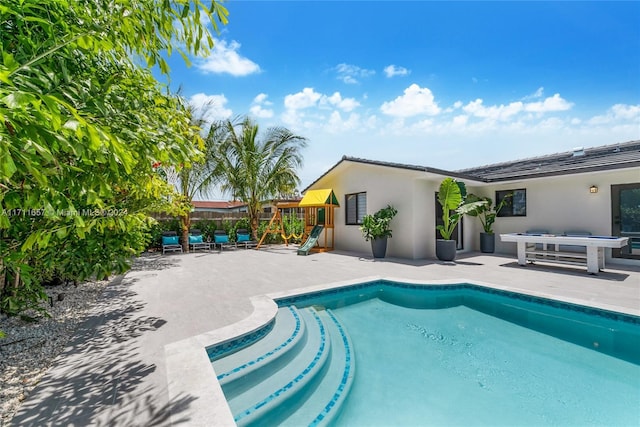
196	240
220	238
170	242
243	237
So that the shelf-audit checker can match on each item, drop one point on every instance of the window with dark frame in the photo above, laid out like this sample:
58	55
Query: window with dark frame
356	208
515	205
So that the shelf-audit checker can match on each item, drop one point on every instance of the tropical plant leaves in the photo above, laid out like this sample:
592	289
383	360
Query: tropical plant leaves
81	123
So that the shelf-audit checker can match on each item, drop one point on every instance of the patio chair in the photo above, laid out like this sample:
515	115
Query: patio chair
170	242
196	240
221	239
244	238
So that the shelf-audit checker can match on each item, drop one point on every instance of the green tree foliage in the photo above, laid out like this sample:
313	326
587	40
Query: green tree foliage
256	169
82	123
198	177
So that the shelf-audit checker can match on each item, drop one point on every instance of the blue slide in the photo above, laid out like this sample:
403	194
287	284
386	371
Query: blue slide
311	241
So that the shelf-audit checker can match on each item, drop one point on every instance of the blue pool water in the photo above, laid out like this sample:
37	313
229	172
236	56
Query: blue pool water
459	366
439	355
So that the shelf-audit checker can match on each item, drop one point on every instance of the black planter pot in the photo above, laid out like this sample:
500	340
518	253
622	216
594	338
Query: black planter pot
487	243
379	247
446	249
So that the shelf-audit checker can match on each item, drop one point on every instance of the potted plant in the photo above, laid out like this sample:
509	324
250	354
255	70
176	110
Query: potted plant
452	197
375	228
487	214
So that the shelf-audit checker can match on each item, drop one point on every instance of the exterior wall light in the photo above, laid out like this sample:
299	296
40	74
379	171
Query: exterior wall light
593	189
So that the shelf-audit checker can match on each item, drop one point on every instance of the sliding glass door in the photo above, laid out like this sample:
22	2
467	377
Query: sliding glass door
625	209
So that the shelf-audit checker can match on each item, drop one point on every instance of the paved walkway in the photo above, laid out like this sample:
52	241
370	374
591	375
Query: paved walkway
114	371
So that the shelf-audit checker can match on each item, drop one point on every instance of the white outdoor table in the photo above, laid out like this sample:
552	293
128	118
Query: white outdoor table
594	245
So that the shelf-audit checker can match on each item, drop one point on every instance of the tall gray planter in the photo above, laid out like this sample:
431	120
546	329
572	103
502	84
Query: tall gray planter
446	249
379	247
487	243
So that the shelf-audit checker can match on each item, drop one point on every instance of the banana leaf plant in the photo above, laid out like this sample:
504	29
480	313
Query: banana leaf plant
452	197
486	213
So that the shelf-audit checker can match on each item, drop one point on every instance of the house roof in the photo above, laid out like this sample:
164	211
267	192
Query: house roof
217	204
580	160
392	165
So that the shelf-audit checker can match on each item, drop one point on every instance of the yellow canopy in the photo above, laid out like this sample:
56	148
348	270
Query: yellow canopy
319	198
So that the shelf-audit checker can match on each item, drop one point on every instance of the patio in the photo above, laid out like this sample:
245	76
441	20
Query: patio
114	371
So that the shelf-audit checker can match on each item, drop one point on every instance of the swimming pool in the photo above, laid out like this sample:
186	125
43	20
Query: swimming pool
389	353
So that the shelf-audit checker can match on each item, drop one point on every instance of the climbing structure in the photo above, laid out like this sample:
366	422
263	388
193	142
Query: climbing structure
319	206
276	224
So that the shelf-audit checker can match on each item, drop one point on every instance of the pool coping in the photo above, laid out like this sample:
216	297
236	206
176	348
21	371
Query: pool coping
189	370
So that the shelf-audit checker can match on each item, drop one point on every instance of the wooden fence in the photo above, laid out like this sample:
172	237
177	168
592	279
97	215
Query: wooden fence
212	216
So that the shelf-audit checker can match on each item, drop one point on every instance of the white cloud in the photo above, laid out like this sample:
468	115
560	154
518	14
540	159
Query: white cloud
257	109
535	95
617	114
494	112
425	125
460	121
262	99
310	98
209	107
626	112
305	99
392	70
291	118
415	101
507	112
553	103
337	124
345	104
351	73
262	113
224	58
552	123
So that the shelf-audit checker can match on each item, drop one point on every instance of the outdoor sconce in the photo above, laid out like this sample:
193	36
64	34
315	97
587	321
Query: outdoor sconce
593	189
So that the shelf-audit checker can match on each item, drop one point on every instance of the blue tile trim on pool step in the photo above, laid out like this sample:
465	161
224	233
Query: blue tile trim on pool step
224	349
344	381
271	353
297	379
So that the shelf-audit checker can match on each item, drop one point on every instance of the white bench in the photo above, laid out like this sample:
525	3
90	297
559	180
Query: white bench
593	258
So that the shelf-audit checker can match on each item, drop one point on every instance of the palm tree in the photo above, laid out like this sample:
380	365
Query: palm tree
199	176
255	170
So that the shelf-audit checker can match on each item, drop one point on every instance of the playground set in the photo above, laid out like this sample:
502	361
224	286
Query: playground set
318	234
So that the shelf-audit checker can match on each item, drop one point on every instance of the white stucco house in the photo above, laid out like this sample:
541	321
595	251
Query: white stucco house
592	189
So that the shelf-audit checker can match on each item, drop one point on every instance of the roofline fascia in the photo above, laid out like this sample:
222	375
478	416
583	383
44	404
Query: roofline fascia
442	172
476	179
563	173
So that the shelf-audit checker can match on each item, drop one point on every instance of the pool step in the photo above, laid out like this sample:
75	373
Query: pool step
334	386
251	365
298	374
278	395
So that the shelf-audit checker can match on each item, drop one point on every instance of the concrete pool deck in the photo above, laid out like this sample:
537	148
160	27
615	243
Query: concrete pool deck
115	370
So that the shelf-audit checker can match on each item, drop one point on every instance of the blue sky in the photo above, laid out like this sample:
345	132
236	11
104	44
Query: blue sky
442	84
